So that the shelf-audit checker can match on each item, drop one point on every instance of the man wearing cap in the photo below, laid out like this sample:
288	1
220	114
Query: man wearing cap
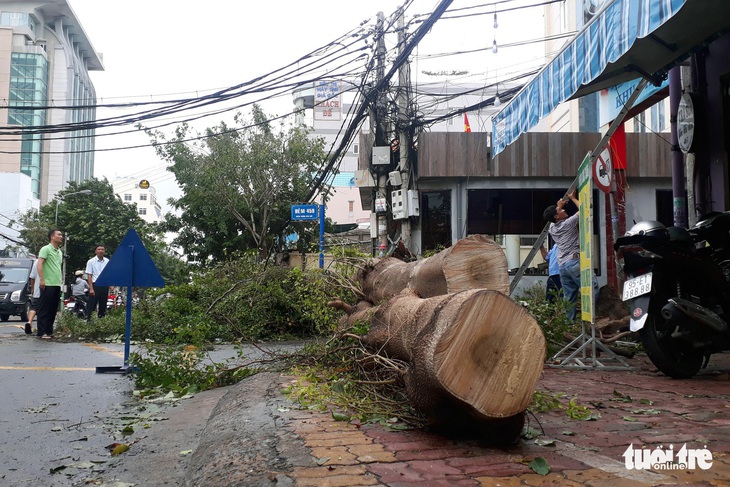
97	294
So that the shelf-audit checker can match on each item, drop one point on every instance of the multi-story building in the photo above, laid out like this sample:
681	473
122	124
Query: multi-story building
142	194
45	59
329	103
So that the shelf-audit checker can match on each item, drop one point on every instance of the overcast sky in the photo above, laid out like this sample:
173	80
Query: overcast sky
162	49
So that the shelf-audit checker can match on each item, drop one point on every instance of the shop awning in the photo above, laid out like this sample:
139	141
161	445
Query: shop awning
627	39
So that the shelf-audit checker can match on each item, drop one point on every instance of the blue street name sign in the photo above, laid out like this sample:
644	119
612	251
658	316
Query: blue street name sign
304	212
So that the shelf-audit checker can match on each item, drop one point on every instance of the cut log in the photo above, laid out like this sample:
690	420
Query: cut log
385	279
475	262
474	358
474	355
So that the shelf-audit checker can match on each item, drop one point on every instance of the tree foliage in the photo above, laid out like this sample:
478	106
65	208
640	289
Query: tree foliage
238	183
97	218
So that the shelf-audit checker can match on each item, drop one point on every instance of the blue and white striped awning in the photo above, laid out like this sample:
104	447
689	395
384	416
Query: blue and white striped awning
627	39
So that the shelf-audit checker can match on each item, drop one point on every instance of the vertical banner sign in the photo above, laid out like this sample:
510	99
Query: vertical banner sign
327	101
585	178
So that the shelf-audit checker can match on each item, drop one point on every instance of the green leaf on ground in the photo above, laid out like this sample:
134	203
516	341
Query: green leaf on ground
540	466
530	433
340	416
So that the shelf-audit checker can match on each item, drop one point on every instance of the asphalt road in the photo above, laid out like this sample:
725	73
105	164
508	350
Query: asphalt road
57	416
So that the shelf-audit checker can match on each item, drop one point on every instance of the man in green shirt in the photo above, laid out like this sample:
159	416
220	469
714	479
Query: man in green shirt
49	278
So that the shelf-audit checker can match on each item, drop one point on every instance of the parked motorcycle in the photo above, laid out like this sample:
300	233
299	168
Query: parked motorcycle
678	287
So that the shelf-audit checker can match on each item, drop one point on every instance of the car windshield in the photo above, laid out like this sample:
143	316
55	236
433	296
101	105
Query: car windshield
11	274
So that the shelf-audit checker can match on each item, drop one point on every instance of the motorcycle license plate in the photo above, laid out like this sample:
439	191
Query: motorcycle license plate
637	286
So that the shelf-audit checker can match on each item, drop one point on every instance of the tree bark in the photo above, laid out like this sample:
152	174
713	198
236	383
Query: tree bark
475	262
474	354
474	358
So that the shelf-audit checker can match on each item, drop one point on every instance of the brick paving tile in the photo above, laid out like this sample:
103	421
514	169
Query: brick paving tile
437	483
337	455
504	470
586	476
389	473
500	482
323	435
372	453
438	454
434	469
337	440
480	461
318	472
337	481
549	480
559	462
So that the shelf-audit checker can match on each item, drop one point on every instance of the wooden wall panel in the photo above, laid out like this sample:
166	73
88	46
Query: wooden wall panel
538	154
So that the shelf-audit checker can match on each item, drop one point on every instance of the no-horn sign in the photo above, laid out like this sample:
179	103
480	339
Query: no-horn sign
603	171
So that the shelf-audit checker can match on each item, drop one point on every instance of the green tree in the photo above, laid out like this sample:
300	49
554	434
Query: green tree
87	220
238	183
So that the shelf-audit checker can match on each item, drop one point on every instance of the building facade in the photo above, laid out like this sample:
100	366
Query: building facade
142	194
45	59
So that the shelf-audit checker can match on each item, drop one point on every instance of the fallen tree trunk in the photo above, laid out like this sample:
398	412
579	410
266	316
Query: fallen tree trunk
475	262
474	358
474	355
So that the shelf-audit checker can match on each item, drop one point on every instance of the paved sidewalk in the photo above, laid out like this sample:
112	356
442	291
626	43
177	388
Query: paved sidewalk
637	407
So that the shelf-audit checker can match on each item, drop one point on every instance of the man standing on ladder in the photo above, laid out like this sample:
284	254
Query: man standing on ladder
564	230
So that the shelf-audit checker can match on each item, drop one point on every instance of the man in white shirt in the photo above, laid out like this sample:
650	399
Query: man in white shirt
97	294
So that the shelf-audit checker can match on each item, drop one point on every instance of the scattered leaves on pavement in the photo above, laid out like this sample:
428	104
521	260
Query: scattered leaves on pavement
544	442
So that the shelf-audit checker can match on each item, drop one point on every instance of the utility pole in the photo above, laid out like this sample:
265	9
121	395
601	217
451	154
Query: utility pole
404	99
379	119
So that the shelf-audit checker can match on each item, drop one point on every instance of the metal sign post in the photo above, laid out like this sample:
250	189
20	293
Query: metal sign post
584	355
130	266
312	213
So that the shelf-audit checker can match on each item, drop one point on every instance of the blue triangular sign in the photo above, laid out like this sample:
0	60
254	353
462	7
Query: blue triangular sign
131	265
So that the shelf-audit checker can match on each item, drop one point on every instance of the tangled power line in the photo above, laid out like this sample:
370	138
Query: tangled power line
351	57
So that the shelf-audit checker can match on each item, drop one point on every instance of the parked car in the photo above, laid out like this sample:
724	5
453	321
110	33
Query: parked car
15	292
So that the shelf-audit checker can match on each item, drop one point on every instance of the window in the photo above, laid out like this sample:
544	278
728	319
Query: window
450	121
142	211
435	219
351	206
143	197
355	148
640	124
127	196
509	211
665	207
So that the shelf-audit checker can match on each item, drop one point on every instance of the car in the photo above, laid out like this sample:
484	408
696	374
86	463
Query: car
15	291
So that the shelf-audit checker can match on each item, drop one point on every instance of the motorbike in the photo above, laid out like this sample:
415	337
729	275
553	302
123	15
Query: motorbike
76	305
678	287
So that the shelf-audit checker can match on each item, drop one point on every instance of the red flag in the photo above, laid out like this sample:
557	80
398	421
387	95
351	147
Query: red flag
467	127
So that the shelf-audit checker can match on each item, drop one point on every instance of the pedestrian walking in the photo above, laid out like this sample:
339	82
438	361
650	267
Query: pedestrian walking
34	298
49	277
97	294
